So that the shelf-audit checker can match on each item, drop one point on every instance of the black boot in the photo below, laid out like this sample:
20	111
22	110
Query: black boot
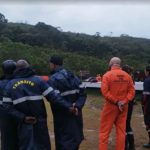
148	144
126	143
131	141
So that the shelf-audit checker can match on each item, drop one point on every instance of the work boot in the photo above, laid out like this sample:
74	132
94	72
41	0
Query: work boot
147	145
126	143
131	141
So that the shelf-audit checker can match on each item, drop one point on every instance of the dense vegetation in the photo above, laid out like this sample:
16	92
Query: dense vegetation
38	42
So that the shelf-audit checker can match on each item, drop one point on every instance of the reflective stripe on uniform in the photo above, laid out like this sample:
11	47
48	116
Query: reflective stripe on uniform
130	133
82	85
70	92
146	93
26	98
57	91
1	103
50	89
7	100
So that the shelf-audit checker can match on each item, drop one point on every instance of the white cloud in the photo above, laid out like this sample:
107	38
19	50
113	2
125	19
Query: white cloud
132	19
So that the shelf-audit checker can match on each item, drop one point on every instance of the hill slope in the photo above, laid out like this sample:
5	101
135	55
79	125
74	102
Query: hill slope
87	52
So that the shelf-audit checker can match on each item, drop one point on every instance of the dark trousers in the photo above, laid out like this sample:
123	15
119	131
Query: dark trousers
8	129
34	137
68	132
129	131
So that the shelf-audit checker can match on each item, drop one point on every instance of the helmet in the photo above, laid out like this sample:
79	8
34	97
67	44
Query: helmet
8	66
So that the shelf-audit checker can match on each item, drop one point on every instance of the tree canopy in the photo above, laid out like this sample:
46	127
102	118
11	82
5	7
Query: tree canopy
82	51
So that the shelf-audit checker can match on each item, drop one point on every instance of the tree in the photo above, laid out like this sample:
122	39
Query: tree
97	34
3	19
3	22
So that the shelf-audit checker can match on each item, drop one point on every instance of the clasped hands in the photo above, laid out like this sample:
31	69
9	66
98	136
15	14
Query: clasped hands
32	120
74	110
120	105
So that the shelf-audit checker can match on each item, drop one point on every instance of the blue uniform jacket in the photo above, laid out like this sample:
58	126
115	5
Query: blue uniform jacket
24	95
3	82
68	128
146	102
69	86
8	126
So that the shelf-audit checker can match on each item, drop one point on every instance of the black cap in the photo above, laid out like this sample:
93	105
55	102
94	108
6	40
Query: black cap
148	68
8	66
57	60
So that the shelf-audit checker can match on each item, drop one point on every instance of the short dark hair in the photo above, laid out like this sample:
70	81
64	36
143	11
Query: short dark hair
57	60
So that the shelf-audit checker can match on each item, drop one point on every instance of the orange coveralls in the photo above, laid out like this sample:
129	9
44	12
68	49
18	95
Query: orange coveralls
116	86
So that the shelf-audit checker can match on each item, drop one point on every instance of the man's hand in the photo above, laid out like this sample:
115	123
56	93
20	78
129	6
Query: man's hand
77	111
74	110
30	120
120	105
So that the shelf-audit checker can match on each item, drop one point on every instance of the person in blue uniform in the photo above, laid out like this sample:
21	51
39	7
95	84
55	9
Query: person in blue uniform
146	103
8	126
68	128
23	99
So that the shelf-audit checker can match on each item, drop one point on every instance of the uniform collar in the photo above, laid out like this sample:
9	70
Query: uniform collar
115	67
24	72
57	69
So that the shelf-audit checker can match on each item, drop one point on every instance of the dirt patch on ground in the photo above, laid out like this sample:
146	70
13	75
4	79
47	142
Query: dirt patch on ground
91	114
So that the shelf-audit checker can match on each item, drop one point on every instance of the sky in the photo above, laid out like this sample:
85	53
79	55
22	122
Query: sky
109	19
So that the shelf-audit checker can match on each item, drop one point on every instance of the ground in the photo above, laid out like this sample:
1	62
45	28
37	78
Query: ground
91	115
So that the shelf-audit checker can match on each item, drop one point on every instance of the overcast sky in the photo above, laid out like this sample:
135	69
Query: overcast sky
118	18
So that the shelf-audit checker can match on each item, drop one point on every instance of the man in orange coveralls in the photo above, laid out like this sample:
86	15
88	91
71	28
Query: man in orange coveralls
118	89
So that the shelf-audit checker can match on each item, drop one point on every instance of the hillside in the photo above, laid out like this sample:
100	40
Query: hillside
83	52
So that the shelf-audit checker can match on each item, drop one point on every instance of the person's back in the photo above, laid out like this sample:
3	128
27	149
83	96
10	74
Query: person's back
8	126
68	128
118	89
28	97
118	81
26	93
68	86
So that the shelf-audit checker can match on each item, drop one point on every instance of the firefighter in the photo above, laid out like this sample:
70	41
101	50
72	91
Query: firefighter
118	89
23	99
129	145
68	128
8	126
146	103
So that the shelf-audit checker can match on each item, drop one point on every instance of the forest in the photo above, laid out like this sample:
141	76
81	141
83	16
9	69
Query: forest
80	51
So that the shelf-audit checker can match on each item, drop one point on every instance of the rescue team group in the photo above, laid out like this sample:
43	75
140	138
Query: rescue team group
23	117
